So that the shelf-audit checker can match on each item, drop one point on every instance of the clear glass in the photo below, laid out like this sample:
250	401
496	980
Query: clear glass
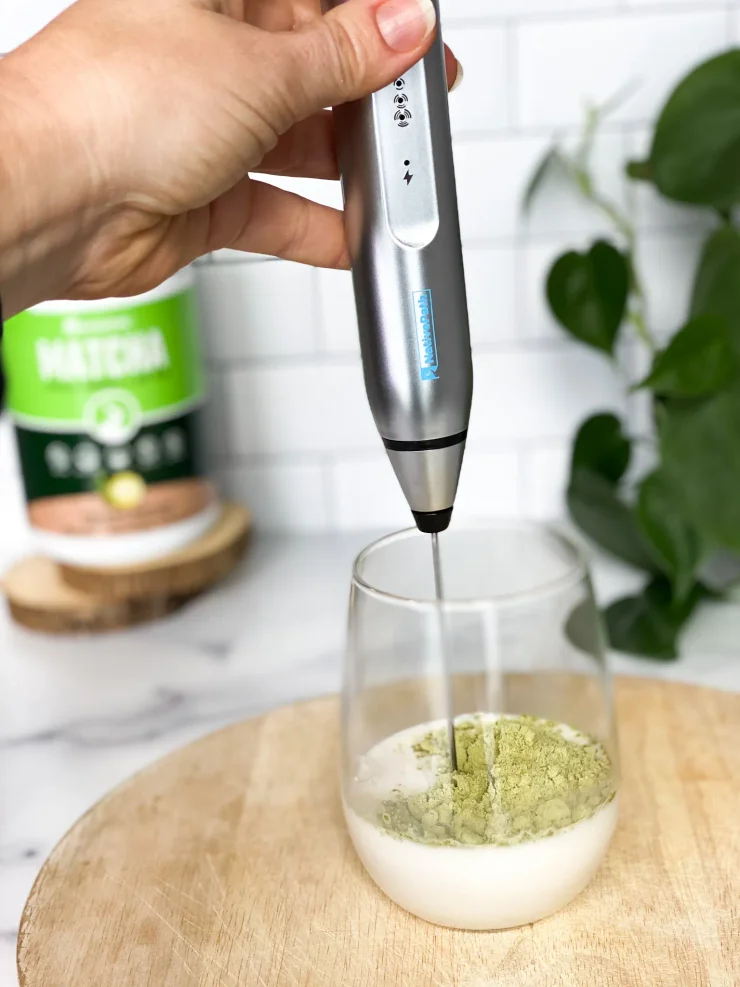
521	638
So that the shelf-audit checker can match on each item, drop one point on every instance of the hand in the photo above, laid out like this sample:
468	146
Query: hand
133	124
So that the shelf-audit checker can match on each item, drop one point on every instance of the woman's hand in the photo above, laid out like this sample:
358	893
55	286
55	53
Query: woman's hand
129	127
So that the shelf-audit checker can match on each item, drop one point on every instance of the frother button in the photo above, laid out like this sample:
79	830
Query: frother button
407	164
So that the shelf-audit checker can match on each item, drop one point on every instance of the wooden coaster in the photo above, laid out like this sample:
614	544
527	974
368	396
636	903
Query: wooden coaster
228	864
38	598
60	599
183	573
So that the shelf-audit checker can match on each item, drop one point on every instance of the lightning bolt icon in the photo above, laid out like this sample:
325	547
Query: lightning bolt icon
407	178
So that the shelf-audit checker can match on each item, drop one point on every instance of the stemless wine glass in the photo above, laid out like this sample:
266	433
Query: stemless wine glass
520	636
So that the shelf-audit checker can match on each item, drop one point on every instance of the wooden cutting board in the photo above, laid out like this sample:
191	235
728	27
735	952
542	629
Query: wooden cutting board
227	864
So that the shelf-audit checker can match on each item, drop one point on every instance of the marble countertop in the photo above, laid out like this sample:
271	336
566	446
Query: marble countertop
78	716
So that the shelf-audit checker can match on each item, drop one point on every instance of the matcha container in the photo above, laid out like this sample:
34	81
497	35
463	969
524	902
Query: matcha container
106	399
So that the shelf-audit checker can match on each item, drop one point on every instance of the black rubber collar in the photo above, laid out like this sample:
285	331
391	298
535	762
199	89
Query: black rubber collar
447	440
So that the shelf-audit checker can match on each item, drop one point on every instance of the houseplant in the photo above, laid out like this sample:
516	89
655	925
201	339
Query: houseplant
678	521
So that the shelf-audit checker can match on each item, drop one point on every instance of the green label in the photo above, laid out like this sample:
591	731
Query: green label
70	463
104	373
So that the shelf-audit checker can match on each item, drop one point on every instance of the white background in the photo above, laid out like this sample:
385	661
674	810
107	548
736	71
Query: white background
290	429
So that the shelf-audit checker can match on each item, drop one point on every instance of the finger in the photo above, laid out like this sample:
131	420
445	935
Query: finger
453	69
277	15
307	150
357	48
286	225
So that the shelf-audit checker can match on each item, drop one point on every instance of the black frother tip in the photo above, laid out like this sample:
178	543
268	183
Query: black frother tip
432	522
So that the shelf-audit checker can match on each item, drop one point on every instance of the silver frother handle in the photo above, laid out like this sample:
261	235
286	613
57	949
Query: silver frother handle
398	179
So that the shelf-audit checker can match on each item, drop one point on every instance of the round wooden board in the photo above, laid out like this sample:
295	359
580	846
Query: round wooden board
227	864
183	573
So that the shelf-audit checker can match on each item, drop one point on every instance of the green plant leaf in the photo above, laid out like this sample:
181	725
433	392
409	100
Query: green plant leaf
695	155
675	543
699	360
700	453
588	294
595	506
640	171
649	624
583	628
660	595
602	447
551	159
633	626
717	284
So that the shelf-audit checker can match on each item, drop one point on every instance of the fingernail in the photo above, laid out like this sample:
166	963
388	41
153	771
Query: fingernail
404	24
458	78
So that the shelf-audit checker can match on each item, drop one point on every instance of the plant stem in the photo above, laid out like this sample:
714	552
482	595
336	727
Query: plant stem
637	319
637	316
579	166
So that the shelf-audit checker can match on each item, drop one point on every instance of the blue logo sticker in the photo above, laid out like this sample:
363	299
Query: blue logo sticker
426	339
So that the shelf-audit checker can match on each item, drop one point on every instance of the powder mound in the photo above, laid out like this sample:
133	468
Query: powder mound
519	778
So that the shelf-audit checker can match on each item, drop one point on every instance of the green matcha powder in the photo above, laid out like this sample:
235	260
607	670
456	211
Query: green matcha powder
518	779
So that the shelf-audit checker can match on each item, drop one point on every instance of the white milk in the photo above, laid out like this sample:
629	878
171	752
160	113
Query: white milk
469	887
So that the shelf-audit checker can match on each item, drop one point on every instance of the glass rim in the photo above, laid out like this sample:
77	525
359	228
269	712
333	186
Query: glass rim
577	570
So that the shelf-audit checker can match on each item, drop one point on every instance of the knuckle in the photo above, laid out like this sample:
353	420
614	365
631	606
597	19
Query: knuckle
296	232
347	54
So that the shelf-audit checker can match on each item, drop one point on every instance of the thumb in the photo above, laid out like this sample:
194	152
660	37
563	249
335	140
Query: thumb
356	49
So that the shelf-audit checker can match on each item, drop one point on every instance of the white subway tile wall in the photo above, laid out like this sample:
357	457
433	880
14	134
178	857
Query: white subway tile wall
336	313
667	265
289	426
557	60
544	472
492	280
254	310
286	495
484	52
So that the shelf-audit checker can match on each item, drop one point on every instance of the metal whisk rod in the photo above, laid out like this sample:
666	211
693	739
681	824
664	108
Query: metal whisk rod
439	593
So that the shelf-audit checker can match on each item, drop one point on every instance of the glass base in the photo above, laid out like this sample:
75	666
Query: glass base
485	888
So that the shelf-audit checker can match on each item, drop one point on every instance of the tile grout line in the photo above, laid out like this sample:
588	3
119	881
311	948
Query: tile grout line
522	345
486	447
510	241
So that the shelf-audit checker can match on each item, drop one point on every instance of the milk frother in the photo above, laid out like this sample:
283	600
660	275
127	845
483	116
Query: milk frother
398	180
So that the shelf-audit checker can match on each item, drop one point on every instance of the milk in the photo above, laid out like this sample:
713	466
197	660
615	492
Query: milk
468	887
